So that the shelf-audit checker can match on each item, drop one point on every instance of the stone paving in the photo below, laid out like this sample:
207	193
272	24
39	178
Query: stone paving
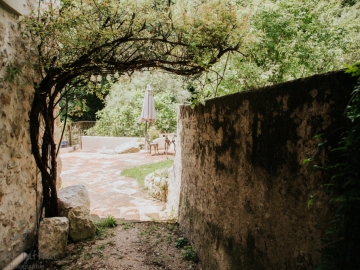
110	193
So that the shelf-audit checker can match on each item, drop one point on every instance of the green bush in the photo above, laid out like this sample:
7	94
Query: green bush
122	111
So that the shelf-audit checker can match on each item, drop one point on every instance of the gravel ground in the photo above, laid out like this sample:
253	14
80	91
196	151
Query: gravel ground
143	245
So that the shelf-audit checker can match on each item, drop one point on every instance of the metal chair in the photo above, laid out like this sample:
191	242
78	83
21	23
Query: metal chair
168	142
150	144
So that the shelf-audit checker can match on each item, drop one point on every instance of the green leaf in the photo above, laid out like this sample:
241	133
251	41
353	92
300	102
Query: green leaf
317	136
307	160
310	201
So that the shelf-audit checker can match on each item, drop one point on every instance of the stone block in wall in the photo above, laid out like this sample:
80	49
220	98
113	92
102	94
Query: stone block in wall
53	235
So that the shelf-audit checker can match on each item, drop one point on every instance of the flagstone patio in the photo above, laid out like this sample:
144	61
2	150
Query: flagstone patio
110	193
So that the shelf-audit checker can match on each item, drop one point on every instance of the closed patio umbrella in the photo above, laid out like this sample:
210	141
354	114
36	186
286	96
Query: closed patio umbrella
148	113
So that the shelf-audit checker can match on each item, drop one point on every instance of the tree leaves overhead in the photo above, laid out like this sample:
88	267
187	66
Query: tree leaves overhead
108	35
290	39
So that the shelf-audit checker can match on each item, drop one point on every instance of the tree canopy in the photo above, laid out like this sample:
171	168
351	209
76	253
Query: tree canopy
291	39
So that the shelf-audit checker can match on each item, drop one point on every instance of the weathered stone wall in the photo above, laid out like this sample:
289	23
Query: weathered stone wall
244	190
20	188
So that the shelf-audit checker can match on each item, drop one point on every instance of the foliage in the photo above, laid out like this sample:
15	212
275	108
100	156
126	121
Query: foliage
342	244
190	254
181	242
354	70
125	225
100	36
139	172
290	40
153	133
101	225
12	73
84	101
124	104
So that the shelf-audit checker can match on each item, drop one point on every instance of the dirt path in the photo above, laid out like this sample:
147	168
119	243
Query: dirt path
136	246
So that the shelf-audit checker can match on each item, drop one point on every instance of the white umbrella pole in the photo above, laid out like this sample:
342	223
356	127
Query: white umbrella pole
145	134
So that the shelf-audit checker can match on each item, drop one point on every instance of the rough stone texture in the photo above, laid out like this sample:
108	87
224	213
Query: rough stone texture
81	225
174	184
59	169
157	184
53	236
72	197
20	186
74	203
244	190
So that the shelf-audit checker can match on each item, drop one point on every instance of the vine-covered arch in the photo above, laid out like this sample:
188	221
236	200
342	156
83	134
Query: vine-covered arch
86	38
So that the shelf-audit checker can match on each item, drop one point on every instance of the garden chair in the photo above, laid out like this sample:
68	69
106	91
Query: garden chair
168	142
150	144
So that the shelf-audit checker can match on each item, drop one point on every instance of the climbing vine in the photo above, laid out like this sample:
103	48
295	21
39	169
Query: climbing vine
342	250
89	40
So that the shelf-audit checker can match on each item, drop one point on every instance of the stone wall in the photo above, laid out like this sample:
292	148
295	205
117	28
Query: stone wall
244	190
20	186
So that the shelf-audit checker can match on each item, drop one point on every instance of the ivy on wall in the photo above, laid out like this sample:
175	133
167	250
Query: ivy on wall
342	249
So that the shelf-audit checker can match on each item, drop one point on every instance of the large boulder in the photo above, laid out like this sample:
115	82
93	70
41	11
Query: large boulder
157	184
81	226
72	197
74	203
53	235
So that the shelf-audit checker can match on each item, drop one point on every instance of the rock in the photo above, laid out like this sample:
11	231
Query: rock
73	197
157	184
53	235
74	203
62	262
81	226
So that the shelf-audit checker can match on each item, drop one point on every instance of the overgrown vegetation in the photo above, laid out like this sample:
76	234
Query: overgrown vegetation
188	252
139	172
124	104
342	250
289	40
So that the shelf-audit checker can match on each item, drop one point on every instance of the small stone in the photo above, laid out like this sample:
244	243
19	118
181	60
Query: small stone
53	235
62	262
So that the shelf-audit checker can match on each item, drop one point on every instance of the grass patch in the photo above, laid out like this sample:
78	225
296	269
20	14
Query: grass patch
102	225
139	172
